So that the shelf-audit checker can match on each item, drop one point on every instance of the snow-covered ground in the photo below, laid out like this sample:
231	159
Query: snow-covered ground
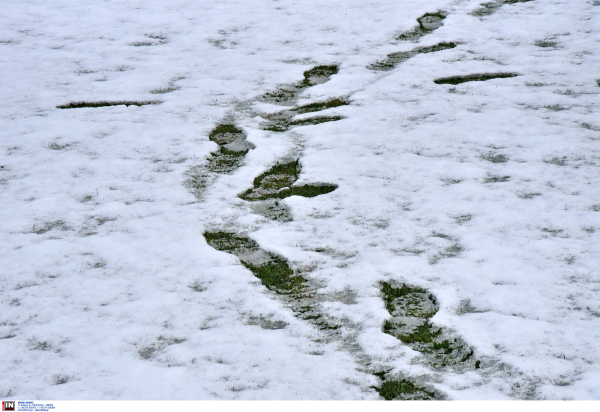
484	193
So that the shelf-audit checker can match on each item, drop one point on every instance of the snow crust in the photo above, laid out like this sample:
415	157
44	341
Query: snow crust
109	290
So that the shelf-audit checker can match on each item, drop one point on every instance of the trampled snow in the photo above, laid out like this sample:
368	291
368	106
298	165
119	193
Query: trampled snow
484	193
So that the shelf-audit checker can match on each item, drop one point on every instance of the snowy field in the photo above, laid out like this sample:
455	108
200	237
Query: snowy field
479	200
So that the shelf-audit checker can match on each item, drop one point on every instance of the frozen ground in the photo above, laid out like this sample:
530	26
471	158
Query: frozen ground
485	194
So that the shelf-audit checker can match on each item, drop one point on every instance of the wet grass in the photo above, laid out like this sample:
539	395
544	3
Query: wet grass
480	77
411	308
276	183
80	105
426	24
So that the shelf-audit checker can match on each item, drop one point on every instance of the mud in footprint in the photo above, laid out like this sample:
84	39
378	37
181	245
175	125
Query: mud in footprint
394	59
411	308
288	94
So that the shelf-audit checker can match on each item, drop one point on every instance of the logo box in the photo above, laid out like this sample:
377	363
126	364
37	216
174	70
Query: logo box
8	405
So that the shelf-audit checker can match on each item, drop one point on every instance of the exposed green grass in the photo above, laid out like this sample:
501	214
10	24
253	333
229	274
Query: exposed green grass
409	301
436	47
282	121
225	160
426	24
315	120
403	390
319	74
229	242
283	95
415	306
480	77
317	107
494	158
431	21
304	191
225	134
275	274
425	333
496	179
276	183
393	59
289	172
79	105
164	90
312	77
491	7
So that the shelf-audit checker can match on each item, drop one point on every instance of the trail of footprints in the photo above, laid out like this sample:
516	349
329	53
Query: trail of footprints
410	307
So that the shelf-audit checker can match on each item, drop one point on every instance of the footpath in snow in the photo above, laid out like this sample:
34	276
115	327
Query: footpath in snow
300	200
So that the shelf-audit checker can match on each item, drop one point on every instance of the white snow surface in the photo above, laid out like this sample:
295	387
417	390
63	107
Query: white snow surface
104	304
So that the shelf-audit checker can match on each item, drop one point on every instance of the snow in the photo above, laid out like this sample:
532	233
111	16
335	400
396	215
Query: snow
109	290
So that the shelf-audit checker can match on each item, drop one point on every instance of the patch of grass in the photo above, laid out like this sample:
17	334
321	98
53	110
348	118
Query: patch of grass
276	183
424	334
393	59
225	160
528	195
487	9
319	74
283	95
412	307
496	179
312	77
479	77
495	158
408	301
431	21
225	133
48	226
436	47
79	105
229	242
426	24
275	274
545	43
164	90
403	390
317	107
282	121
315	120
558	161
